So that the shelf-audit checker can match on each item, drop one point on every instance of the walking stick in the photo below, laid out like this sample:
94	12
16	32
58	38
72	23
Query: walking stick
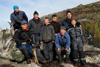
35	56
34	52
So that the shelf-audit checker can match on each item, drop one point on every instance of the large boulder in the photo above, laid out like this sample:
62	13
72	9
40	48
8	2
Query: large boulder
15	54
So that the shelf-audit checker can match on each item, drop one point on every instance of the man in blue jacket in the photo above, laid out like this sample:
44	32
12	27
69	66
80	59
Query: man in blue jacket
62	42
17	17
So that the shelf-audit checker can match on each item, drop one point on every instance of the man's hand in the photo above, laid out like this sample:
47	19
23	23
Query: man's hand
66	49
59	50
55	34
24	43
53	41
41	42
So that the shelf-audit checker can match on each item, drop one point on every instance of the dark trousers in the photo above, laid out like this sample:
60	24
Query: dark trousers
77	52
48	50
36	39
26	50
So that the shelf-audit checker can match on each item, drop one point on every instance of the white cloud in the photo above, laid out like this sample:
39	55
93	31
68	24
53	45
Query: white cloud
44	7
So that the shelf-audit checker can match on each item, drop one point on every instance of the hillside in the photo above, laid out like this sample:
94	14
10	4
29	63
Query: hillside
89	16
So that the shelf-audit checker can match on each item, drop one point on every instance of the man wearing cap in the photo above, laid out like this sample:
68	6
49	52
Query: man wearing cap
24	40
62	42
17	16
25	43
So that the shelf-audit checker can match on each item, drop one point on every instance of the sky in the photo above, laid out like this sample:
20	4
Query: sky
44	7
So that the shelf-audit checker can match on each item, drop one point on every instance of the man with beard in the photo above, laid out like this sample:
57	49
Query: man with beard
17	17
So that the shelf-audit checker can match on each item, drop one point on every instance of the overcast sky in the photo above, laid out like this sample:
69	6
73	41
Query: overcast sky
44	7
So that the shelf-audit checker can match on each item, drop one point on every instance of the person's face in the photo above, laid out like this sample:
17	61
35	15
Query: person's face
54	19
69	15
24	26
73	23
36	16
46	21
16	10
62	31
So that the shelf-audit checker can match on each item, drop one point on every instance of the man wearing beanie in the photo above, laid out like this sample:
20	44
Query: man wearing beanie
17	17
62	42
35	26
67	21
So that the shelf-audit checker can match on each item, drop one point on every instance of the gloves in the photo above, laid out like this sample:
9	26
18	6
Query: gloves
35	46
24	43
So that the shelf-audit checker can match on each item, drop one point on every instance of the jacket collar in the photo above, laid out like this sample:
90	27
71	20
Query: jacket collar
65	36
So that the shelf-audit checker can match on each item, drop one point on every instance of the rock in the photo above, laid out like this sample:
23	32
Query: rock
16	55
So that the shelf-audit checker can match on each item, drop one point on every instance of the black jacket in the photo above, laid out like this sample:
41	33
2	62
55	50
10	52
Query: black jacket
56	26
22	36
17	18
35	26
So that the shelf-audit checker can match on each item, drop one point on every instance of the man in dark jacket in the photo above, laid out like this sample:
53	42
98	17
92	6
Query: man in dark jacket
47	37
62	43
35	26
55	24
77	41
67	21
17	16
23	40
56	27
25	43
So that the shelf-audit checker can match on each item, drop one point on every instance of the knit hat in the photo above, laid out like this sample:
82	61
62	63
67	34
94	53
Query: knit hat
14	7
23	22
36	13
62	27
68	12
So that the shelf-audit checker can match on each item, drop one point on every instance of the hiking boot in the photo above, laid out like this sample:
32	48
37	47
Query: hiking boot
83	62
28	61
60	58
67	60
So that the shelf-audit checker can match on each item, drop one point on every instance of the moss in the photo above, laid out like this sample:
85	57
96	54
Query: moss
5	36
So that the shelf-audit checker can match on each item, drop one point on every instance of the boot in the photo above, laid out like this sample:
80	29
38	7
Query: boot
60	58
67	59
83	62
28	61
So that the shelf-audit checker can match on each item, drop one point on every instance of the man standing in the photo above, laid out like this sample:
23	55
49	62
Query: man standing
55	24
67	21
35	26
62	42
47	37
56	27
17	17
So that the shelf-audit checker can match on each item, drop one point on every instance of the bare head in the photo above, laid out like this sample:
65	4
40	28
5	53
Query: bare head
54	18
73	23
46	21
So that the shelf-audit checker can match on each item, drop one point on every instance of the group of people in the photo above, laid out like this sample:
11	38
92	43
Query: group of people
57	39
